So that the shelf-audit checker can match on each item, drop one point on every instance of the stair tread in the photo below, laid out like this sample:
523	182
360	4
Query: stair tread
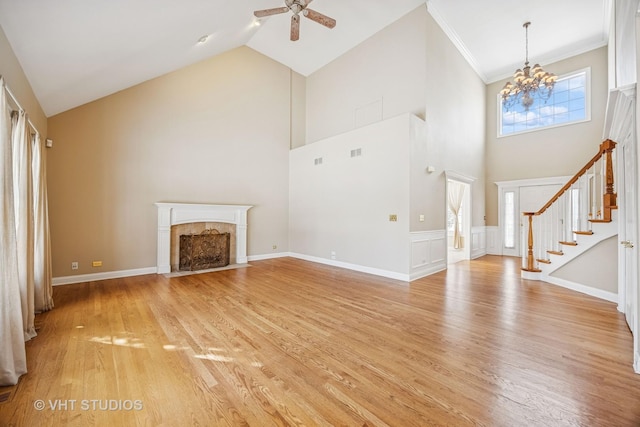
569	243
599	220
544	261
584	233
555	252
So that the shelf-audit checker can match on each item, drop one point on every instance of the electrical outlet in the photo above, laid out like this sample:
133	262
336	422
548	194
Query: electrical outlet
421	218
393	218
333	254
74	265
96	264
275	247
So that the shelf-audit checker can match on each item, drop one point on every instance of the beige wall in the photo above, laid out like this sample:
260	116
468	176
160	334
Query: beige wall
215	132
381	78
590	270
559	151
15	78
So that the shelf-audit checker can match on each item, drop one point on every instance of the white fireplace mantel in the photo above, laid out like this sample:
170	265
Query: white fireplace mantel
184	213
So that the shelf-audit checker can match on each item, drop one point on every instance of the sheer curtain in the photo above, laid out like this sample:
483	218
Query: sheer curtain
455	196
25	255
23	197
43	290
13	358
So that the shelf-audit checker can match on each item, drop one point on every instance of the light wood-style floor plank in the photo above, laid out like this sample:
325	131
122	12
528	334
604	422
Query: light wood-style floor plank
286	342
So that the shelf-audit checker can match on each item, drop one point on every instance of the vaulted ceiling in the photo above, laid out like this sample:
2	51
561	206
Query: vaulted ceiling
75	51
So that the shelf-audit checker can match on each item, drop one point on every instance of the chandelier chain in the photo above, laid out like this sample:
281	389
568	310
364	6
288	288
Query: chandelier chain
526	42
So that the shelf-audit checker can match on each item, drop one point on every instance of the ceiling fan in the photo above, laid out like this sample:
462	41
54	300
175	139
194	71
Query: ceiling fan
297	7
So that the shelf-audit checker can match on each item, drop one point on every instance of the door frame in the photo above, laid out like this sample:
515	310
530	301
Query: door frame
627	265
622	125
504	186
468	203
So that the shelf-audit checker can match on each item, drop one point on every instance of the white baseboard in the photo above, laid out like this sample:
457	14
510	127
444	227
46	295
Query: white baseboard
354	267
268	256
424	272
81	278
598	293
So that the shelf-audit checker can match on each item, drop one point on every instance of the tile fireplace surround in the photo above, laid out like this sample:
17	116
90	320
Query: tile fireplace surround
184	213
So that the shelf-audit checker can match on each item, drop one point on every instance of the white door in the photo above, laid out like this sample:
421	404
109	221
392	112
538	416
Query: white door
628	253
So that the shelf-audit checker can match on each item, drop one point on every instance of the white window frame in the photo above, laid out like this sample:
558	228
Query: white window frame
587	96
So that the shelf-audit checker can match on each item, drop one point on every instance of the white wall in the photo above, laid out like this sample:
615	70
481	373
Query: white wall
455	132
409	67
343	205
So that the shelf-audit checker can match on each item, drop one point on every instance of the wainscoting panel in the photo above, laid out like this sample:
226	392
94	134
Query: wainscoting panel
493	240
478	242
428	253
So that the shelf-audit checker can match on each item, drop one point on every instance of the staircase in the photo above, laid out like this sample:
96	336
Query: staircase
581	215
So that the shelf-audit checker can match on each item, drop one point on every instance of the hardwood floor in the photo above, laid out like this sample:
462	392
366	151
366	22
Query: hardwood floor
288	342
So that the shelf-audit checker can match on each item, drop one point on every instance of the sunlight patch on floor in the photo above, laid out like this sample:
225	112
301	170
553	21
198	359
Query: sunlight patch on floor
119	341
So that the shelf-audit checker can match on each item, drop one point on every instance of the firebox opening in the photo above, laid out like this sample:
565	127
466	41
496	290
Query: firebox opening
201	257
209	249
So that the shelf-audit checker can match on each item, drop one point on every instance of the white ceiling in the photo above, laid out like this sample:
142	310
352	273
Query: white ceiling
75	51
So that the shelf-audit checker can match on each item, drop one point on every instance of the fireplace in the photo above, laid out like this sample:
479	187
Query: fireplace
209	249
195	217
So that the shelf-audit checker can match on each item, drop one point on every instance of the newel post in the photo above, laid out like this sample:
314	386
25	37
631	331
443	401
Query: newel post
610	201
530	259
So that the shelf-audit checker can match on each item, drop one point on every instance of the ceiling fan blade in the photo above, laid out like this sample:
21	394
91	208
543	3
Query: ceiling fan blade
319	18
295	27
269	12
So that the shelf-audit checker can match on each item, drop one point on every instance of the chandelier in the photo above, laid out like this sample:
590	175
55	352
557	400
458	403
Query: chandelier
528	82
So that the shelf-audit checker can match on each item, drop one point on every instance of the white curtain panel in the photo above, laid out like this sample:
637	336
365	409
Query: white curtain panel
13	358
43	287
23	196
455	196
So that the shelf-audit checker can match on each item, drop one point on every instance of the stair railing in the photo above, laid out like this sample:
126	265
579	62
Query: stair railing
586	198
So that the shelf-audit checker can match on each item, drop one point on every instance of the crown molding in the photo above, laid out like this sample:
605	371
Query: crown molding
455	39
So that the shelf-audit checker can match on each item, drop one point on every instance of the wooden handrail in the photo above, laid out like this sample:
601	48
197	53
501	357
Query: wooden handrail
609	197
606	147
